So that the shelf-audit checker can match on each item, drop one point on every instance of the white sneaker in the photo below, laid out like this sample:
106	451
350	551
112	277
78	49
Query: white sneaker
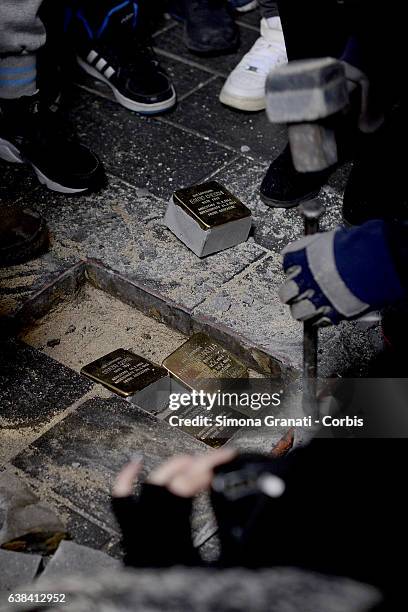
245	87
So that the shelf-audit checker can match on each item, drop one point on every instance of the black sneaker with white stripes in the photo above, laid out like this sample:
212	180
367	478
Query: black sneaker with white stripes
113	45
33	133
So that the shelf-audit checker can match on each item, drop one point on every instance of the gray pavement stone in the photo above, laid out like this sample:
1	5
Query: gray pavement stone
123	228
115	549
19	283
210	550
249	306
76	526
146	152
72	558
34	387
81	530
16	569
16	181
80	456
249	133
25	517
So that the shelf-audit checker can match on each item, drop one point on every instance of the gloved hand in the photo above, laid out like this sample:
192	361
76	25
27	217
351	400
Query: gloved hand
340	274
147	539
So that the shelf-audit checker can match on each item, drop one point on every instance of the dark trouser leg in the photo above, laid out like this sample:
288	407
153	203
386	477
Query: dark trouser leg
21	35
378	33
312	28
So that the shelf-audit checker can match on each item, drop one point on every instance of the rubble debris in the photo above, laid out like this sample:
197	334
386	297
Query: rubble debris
28	524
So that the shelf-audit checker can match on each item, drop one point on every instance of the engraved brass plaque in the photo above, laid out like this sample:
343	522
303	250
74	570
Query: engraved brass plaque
200	358
123	372
210	204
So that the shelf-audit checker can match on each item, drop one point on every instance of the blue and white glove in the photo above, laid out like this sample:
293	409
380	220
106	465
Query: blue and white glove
341	274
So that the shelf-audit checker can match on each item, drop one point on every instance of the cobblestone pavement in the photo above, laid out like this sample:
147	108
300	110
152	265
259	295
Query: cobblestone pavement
65	436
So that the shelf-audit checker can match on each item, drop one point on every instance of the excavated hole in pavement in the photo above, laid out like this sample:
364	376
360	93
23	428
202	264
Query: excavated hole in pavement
90	323
93	323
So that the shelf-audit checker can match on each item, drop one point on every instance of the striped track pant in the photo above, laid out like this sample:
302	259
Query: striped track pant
21	35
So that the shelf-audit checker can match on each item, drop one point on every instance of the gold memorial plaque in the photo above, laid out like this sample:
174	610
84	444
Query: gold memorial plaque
210	204
199	359
123	372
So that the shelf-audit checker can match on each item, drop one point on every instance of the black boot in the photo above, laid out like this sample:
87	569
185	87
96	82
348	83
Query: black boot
210	27
33	133
284	187
23	236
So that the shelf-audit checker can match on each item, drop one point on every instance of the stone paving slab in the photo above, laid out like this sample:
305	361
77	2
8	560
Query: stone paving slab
80	456
78	527
33	387
210	551
19	283
24	513
34	390
72	558
16	182
114	548
146	152
81	530
249	133
16	569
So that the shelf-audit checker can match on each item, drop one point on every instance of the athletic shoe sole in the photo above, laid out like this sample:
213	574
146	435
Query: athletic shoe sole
128	103
10	153
241	103
272	203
